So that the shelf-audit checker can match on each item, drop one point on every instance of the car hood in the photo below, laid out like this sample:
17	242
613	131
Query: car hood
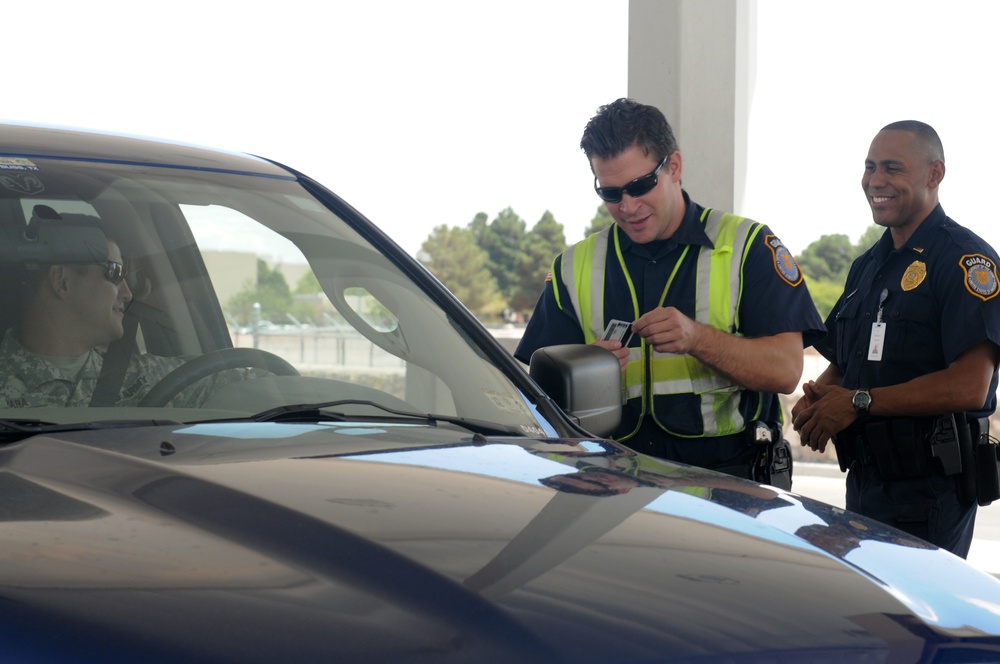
348	542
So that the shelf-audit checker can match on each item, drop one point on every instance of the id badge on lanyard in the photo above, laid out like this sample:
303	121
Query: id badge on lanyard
876	346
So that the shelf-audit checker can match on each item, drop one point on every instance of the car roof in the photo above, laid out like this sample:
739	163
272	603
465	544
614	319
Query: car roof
27	141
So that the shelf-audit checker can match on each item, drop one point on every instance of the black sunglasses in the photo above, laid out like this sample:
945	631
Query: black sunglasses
113	272
635	188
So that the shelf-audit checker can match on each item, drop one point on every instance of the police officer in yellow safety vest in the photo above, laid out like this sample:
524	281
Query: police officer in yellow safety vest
716	306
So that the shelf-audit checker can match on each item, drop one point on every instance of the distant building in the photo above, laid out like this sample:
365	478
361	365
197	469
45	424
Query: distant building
231	271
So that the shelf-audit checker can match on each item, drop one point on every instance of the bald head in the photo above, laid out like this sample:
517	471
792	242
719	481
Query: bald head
927	140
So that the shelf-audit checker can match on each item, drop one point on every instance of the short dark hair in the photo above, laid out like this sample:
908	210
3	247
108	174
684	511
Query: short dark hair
29	278
624	123
924	133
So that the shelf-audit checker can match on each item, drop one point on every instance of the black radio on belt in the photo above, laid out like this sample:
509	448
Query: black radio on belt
944	444
987	461
774	464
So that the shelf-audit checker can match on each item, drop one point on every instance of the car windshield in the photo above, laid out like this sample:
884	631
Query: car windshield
243	294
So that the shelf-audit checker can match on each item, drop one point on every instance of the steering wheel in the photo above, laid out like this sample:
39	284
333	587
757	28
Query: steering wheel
212	363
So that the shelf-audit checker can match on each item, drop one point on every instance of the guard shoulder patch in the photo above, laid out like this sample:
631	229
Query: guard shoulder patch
980	276
784	263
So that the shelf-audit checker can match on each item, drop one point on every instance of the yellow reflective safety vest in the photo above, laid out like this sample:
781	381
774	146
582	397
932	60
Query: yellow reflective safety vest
657	379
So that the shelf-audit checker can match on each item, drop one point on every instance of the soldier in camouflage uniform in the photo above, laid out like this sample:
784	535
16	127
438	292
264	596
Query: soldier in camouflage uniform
30	381
71	310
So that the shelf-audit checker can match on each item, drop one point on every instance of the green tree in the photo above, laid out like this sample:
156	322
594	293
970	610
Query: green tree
453	256
869	238
308	303
544	241
826	262
504	241
271	291
602	219
478	226
825	294
308	284
828	258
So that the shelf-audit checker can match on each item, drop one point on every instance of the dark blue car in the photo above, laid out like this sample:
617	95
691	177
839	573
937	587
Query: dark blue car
379	481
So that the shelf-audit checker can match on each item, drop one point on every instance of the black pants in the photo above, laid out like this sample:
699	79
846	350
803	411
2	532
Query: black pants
927	507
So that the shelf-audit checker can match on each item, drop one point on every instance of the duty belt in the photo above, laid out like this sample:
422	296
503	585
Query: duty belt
910	447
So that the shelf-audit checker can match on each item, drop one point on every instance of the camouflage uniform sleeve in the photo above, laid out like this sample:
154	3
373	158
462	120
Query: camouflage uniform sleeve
29	381
145	371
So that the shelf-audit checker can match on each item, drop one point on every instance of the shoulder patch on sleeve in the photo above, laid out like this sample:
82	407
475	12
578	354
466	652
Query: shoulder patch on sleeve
980	275
784	263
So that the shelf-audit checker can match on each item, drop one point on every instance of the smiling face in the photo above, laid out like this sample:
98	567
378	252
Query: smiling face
655	215
901	182
95	306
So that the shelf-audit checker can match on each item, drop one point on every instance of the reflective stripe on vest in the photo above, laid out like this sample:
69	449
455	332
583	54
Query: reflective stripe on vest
582	281
718	289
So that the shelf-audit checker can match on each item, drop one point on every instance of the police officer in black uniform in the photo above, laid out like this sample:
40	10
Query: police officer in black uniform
650	273
913	351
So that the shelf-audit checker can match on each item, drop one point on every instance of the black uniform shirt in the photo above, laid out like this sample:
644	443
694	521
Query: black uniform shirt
938	296
769	304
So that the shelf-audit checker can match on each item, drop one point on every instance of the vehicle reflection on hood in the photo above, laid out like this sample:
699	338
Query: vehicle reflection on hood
606	483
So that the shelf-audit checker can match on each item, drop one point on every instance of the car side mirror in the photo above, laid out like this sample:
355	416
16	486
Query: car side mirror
585	381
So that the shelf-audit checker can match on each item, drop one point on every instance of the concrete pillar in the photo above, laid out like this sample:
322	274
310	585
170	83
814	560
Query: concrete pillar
696	60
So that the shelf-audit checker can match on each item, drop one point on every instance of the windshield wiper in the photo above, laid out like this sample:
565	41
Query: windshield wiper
320	412
14	430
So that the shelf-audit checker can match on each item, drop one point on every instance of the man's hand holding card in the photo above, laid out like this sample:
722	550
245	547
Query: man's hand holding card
616	338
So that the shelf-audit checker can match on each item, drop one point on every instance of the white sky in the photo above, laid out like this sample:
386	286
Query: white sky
417	112
421	113
831	74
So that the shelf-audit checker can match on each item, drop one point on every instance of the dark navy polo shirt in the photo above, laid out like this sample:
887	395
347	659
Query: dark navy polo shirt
939	298
769	304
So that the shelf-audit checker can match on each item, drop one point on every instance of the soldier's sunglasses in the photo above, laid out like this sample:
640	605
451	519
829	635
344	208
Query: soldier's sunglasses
635	188
113	272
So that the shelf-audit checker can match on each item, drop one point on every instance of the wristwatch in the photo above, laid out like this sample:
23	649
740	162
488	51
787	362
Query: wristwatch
862	402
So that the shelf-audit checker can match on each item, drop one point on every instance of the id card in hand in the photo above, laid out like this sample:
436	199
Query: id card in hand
618	330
